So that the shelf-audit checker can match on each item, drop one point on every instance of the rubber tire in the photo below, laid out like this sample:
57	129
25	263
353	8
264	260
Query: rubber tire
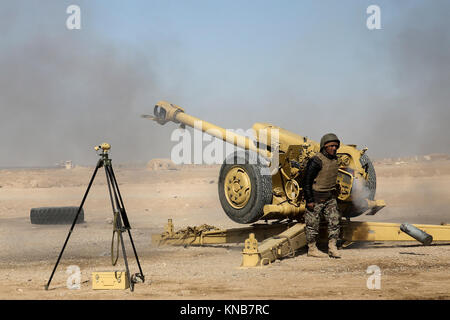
55	215
371	183
372	177
261	187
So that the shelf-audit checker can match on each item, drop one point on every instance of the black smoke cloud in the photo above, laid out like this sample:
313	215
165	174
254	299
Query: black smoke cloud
63	92
416	120
396	104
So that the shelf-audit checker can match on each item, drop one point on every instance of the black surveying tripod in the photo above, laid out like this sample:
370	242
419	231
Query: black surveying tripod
120	221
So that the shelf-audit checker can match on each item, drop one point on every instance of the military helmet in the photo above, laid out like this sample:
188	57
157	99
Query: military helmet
329	137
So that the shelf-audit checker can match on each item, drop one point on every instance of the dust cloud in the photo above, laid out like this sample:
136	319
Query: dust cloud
63	92
415	119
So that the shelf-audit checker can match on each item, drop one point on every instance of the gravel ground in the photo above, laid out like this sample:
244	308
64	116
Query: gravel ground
189	196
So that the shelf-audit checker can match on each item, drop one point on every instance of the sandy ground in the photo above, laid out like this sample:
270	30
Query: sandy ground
416	192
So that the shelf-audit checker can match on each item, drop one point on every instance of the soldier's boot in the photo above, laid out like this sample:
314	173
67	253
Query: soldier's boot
314	252
332	249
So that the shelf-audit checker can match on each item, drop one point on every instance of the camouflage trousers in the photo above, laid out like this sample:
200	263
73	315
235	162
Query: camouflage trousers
327	210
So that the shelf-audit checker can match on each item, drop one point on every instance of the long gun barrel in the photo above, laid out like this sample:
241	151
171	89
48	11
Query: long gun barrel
165	112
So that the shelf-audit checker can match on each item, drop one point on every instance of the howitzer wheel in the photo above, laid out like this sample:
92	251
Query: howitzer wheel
357	208
371	176
243	188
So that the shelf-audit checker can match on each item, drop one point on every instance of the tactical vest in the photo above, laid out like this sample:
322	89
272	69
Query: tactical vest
326	179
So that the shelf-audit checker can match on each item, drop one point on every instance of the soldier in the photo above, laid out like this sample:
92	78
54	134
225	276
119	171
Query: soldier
320	195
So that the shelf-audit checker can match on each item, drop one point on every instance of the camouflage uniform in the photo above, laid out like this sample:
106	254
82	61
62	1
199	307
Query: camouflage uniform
329	212
321	189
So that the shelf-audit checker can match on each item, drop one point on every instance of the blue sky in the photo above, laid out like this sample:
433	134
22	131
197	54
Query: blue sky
308	66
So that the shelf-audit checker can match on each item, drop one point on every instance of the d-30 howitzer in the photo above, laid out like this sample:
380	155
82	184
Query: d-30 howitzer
248	192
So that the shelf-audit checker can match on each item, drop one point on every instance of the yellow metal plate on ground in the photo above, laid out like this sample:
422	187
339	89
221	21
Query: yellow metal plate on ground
110	280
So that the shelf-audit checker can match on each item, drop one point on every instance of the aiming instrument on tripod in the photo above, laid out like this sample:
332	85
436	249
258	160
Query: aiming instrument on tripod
120	220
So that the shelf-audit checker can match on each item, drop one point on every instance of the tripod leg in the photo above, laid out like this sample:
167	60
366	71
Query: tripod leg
99	165
118	223
115	220
124	214
137	258
126	262
118	196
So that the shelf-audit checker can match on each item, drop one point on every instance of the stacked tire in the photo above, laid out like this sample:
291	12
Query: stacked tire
56	215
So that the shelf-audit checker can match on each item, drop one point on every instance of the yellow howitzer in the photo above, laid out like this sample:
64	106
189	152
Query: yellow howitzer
248	195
